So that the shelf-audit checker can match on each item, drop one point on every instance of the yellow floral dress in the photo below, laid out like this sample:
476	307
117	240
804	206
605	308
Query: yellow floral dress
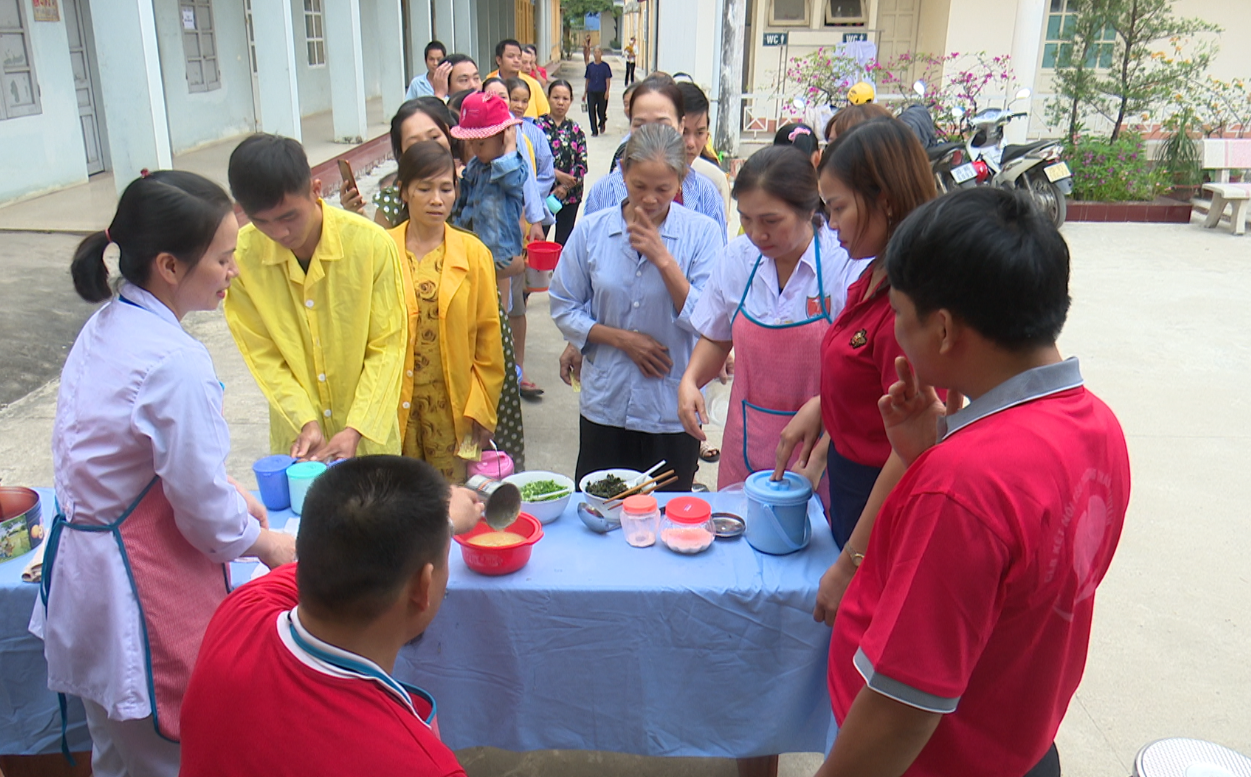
431	432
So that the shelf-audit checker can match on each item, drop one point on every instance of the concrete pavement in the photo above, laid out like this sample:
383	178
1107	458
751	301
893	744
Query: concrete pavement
1159	319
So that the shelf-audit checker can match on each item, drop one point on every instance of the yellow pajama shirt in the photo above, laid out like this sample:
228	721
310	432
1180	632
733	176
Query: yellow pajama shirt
327	345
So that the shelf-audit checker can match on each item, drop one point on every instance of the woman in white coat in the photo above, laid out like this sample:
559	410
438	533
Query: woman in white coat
135	564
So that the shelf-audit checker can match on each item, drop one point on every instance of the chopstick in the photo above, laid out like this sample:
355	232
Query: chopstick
638	489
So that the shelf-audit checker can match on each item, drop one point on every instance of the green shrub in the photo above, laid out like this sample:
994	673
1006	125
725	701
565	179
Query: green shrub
1113	171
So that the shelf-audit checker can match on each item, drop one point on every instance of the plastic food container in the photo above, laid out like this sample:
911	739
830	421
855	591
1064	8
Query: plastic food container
300	477
494	464
500	559
686	526
777	512
271	481
640	520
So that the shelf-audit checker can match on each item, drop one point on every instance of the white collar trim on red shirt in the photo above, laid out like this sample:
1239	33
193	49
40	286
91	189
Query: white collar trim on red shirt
1026	387
286	621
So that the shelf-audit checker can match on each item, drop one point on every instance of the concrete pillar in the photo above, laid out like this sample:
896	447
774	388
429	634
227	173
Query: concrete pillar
1031	15
390	52
466	32
132	93
445	25
420	32
276	68
346	61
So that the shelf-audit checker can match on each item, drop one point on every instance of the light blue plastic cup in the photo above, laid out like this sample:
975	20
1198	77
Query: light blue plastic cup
300	477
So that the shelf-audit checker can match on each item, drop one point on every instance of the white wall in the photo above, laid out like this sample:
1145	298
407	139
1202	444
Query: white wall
197	118
687	40
44	151
314	81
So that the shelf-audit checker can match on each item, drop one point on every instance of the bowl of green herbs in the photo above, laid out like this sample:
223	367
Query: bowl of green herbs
543	494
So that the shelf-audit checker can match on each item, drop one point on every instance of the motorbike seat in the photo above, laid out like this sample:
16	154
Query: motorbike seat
942	149
1012	152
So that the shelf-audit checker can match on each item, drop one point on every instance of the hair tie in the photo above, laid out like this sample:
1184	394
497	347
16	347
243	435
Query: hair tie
797	132
144	173
107	236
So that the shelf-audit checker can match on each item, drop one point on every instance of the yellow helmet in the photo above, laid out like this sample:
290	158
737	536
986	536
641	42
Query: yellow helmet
860	94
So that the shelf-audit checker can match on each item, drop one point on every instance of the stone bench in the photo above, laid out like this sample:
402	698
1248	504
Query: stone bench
1234	195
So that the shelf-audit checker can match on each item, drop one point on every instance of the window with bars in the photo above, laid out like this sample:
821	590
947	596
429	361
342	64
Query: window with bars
1058	46
199	44
314	33
17	69
844	13
788	13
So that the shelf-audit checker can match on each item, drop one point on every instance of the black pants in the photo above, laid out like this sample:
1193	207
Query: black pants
1049	766
610	447
597	107
850	486
565	220
629	73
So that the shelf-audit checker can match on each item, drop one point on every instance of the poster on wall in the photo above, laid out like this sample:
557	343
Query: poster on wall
47	11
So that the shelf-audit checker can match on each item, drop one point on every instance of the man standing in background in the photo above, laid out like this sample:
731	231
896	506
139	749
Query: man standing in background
598	79
423	85
508	65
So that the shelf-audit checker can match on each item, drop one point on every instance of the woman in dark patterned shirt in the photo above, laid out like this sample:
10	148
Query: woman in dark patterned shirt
569	151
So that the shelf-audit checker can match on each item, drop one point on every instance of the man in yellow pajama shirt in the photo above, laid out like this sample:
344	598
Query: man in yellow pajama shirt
317	309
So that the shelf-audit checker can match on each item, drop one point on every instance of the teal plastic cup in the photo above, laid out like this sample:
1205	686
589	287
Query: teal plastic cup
300	477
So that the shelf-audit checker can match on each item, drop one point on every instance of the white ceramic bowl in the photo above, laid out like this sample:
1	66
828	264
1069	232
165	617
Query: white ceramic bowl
630	476
551	509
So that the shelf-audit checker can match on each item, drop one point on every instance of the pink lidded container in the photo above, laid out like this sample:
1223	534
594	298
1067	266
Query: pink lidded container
687	526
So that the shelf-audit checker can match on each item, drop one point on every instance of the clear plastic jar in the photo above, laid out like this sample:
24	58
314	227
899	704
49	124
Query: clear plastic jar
640	520
687	525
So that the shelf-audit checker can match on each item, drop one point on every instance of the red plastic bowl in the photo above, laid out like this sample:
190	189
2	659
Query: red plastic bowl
543	255
505	559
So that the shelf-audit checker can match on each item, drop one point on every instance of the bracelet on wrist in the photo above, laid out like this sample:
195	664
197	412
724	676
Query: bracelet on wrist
854	555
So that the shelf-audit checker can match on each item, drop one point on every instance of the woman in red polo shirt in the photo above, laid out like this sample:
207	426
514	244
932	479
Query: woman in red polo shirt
871	179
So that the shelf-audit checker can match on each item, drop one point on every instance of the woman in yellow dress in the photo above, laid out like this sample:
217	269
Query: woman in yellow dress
454	367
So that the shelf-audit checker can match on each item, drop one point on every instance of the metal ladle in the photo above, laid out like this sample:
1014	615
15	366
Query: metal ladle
503	505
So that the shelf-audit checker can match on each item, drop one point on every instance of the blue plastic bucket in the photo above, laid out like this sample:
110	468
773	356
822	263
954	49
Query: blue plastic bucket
777	512
271	481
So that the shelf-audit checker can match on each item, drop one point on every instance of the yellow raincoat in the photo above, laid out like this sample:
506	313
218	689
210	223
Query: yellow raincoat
469	330
538	100
327	346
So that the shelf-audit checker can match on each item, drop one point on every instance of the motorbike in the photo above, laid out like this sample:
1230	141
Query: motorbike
984	160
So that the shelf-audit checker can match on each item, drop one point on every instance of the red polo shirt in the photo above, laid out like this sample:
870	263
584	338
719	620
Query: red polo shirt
259	705
976	594
857	368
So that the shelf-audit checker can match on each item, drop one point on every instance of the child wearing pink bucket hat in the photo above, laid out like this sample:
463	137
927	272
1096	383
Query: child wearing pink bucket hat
491	193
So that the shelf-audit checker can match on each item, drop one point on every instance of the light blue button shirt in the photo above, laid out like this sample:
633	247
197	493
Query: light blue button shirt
698	194
545	164
420	86
602	280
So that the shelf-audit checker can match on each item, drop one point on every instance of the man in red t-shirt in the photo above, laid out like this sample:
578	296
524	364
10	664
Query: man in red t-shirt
293	676
963	635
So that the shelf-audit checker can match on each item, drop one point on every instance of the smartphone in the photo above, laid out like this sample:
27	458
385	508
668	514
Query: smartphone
345	172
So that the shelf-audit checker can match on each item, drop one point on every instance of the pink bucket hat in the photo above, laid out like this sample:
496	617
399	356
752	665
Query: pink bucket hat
483	115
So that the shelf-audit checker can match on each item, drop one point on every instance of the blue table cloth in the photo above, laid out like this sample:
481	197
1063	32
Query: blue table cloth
593	645
30	720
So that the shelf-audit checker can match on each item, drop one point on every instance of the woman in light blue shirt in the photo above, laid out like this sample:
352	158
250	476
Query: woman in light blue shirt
623	294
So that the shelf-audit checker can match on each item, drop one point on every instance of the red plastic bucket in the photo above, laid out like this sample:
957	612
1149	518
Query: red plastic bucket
543	255
500	560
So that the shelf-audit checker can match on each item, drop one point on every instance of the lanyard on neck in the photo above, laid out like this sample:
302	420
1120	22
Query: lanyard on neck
825	311
360	668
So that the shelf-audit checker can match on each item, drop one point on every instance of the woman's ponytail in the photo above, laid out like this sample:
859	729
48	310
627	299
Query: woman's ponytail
167	211
91	275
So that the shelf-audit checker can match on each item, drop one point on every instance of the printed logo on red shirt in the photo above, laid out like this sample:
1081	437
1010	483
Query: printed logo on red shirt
814	305
860	339
1090	538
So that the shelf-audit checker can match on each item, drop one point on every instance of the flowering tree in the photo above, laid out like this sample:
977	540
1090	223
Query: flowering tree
1220	106
952	81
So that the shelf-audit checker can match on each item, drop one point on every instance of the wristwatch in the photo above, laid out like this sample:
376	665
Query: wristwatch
856	556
